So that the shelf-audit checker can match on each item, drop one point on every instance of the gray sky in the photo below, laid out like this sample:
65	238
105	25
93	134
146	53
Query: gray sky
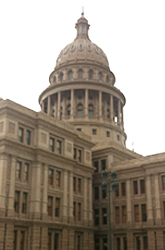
130	32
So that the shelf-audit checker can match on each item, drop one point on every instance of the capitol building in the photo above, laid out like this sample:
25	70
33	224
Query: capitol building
51	164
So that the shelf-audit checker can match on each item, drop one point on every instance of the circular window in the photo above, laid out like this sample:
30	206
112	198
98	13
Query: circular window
65	50
72	48
89	47
81	47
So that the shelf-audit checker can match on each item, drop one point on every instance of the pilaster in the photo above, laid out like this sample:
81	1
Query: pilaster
149	201
45	193
129	207
3	174
70	197
85	202
111	108
11	187
86	103
157	201
65	196
100	105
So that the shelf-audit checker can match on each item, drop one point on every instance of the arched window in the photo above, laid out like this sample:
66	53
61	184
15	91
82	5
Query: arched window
90	110
108	114
80	109
81	47
70	74
61	76
80	74
68	110
90	74
99	76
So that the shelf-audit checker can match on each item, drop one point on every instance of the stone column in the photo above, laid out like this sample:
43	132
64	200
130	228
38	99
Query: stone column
70	197
86	103
72	103
111	107
12	187
90	204
85	201
35	194
59	105
45	193
130	245
49	105
119	112
149	200
3	174
65	196
129	207
100	105
157	200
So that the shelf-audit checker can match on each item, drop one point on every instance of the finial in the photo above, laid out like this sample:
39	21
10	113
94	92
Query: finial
82	11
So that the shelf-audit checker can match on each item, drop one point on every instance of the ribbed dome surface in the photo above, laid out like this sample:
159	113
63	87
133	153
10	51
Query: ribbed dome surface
82	49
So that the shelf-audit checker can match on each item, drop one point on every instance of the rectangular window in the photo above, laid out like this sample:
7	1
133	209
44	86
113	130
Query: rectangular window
97	244
117	192
79	212
50	177
104	216
163	182
103	164
49	241
104	193
75	153
144	212
94	131
51	144
142	186
79	185
22	240
123	189
108	134
15	239
28	137
118	244
105	246
58	179
50	205
164	209
16	201
56	241
145	243
124	214
136	213
78	241
20	134
117	215
74	210
18	170
138	245
79	155
24	203
59	147
96	193
96	165
125	243
74	184
96	217
135	187
57	207
26	172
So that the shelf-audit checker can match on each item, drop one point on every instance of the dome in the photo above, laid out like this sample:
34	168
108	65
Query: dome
82	49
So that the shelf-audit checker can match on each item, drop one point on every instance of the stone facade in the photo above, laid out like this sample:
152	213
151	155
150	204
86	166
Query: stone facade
51	163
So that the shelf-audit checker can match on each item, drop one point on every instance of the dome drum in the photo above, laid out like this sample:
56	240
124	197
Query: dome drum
82	91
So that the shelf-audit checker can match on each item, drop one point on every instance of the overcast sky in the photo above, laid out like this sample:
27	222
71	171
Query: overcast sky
130	32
